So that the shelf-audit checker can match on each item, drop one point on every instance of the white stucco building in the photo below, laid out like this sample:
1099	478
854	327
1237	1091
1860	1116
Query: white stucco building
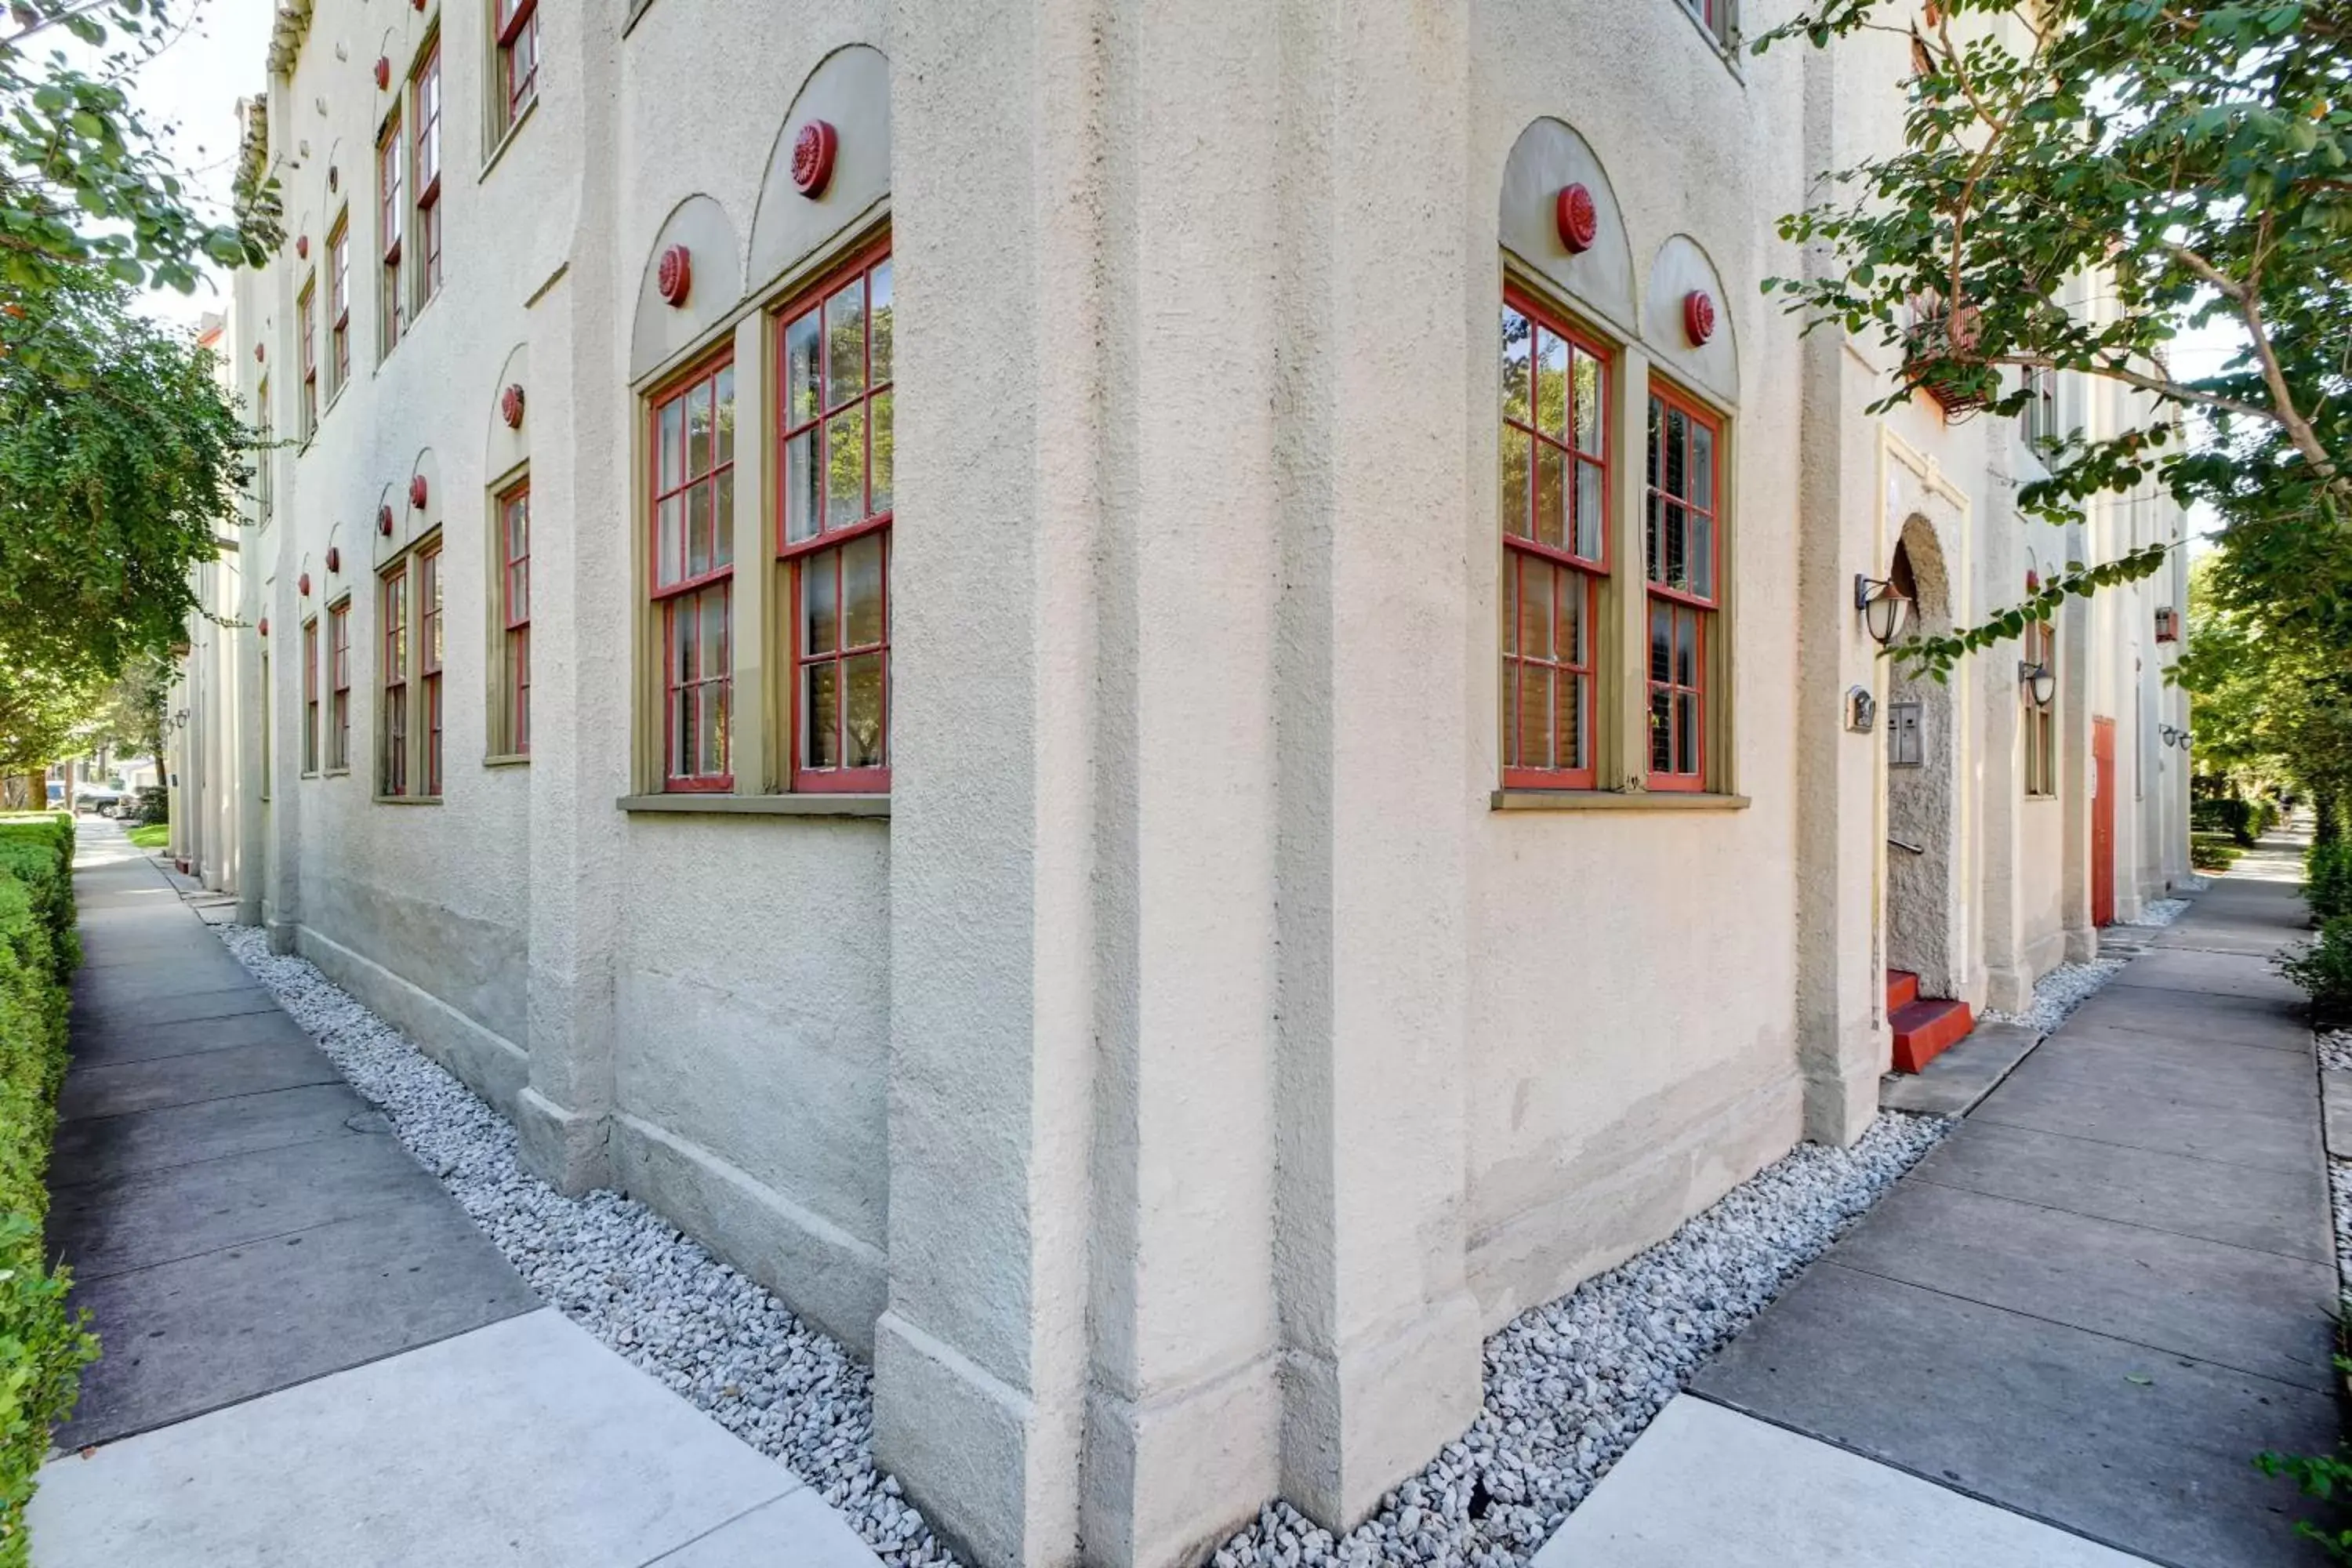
1166	904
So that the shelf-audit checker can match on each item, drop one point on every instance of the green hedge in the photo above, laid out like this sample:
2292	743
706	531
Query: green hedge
2327	879
42	1347
2244	820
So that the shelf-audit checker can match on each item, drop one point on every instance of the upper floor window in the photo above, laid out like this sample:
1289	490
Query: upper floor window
518	72
839	475
311	695
263	497
392	175
305	311
1681	535
428	663
339	303
693	572
392	748
2038	421
427	115
1555	545
1719	17
512	724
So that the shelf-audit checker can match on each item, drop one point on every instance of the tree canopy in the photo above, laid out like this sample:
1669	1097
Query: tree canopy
2192	159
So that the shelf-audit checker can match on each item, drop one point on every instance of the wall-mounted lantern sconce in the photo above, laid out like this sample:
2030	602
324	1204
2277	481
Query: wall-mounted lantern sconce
2168	734
2040	682
1885	608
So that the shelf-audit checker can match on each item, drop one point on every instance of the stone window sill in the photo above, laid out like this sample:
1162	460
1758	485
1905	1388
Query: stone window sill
507	759
1612	800
760	804
406	799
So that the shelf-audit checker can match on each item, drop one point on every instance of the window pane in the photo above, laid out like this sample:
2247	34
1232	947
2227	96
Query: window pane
801	370
1567	728
819	604
1702	552
673	443
1511	758
884	459
844	466
1686	647
1673	533
1702	471
878	327
862	710
722	543
1588	403
682	739
713	660
1591	513
1653	546
821	718
1535	609
1551	384
697	429
698	529
1572	591
1677	436
1535	716
1517	462
683	643
1515	367
1685	732
711	699
800	487
668	541
1662	734
861	592
1661	637
723	417
1551	495
845	344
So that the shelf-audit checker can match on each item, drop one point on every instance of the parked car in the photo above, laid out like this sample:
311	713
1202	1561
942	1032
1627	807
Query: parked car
97	798
57	794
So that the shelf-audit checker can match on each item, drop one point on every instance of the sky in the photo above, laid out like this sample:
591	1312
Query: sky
194	86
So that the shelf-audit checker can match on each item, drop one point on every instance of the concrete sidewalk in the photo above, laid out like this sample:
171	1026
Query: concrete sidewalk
2062	1337
311	1354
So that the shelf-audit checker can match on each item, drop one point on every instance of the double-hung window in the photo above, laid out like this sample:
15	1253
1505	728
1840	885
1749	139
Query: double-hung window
428	661
1683	544
305	327
838	472
339	686
311	695
1719	17
517	81
392	756
392	175
1555	510
514	614
693	573
427	116
339	302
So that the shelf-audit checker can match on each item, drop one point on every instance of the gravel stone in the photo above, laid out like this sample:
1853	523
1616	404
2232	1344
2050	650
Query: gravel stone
2340	1192
2057	994
2335	1051
1568	1384
2159	912
620	1271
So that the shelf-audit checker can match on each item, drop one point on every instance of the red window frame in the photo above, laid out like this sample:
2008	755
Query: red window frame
1555	541
428	661
305	314
514	566
338	686
392	774
339	298
392	189
1683	547
698	668
823	421
427	149
518	32
311	695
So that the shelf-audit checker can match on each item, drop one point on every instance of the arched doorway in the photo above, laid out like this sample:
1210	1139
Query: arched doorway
1923	932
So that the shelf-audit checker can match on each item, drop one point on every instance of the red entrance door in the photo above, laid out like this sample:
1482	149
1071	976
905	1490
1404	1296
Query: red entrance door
2103	821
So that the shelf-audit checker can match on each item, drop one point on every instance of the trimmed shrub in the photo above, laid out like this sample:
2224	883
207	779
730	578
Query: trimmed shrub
43	1348
2324	969
2244	820
2327	879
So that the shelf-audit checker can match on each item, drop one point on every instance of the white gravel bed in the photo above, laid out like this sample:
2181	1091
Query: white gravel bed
1570	1384
2192	884
2159	912
2058	993
620	1271
2335	1051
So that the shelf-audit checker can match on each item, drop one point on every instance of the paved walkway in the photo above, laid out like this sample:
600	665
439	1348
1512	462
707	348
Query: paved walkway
311	1354
2090	1307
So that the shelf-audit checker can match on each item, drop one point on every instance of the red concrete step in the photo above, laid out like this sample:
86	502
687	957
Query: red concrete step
1925	1027
1902	989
